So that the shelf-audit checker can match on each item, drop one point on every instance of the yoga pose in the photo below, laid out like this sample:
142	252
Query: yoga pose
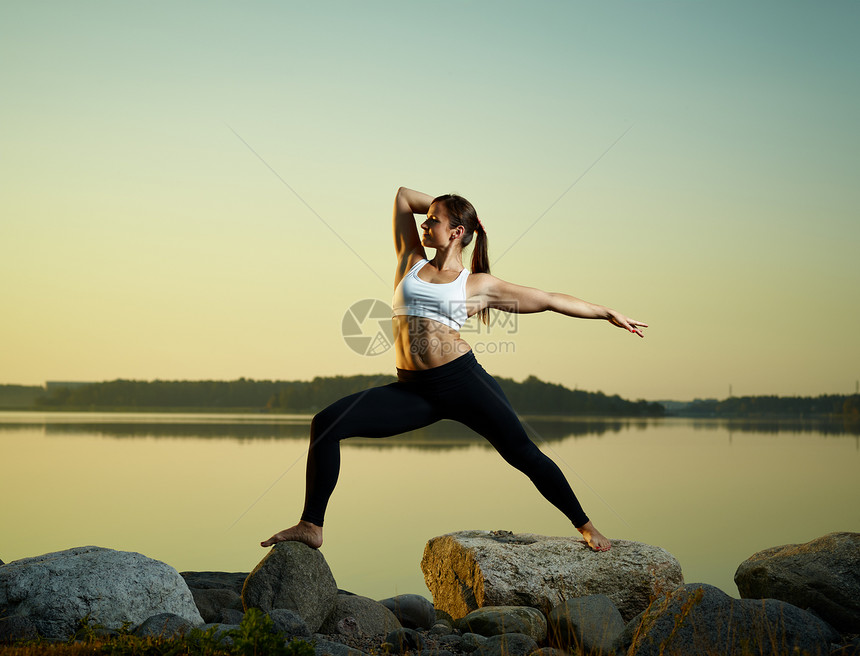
438	376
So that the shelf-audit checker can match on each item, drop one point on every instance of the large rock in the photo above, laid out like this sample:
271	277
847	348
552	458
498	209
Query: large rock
56	590
590	624
471	569
370	617
823	575
700	619
496	620
292	576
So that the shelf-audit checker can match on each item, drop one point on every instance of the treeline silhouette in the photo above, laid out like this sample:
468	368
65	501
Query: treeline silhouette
532	396
773	406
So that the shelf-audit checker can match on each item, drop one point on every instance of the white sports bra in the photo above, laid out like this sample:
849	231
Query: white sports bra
443	302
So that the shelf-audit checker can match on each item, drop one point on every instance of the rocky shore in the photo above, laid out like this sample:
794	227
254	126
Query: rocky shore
494	593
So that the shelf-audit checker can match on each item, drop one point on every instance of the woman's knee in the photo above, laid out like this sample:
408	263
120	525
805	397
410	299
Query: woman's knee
324	426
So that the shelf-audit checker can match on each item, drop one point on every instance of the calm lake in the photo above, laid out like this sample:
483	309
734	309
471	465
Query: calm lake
200	491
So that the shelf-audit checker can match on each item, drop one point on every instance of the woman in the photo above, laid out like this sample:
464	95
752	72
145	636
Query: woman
438	376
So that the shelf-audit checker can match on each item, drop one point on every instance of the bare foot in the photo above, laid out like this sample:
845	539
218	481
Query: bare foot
305	532
594	538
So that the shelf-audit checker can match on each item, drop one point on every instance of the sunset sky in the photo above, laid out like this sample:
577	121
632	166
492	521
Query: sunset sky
201	190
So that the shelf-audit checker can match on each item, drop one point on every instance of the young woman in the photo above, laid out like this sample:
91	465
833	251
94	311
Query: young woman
438	376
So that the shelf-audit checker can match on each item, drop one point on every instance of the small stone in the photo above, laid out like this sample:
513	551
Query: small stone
471	641
289	622
494	620
404	640
163	625
549	651
452	640
323	647
507	644
440	629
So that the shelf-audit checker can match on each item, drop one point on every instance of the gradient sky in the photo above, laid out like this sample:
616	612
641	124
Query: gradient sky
145	233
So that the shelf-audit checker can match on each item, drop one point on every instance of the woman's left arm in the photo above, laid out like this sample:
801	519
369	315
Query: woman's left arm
500	295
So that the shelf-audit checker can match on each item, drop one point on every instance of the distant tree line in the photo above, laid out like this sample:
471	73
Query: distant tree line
771	406
532	396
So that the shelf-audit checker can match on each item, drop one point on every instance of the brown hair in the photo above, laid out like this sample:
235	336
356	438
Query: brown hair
462	213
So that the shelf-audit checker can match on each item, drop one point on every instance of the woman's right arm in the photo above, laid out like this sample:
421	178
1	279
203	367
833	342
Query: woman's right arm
407	203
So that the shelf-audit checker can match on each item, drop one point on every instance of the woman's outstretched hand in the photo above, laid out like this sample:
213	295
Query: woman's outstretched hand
631	325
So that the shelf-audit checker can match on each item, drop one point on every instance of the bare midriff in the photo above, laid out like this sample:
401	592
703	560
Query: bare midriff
421	343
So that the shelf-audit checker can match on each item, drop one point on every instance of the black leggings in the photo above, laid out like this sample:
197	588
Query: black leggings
459	390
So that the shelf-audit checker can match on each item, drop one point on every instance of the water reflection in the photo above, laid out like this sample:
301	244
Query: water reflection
445	433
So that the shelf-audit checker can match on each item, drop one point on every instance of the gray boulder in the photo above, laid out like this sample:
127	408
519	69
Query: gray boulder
470	569
56	590
369	617
495	620
293	576
289	622
701	619
507	644
441	629
412	611
163	625
823	575
589	623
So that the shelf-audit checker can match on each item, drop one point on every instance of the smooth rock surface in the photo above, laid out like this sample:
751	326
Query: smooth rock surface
371	617
711	622
823	574
470	569
293	576
56	590
496	620
413	611
589	623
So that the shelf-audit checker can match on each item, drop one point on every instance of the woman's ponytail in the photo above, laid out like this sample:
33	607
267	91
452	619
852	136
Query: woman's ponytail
462	213
481	263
